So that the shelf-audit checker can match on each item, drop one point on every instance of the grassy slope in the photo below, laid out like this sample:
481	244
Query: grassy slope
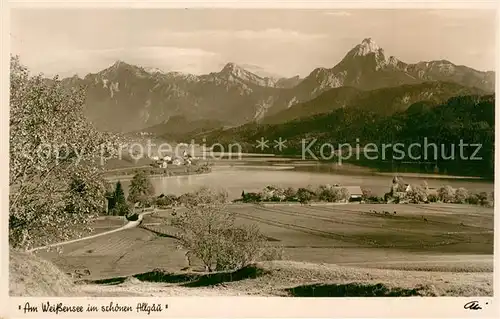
33	276
286	278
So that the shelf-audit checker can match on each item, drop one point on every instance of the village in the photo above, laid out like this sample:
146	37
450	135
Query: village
164	162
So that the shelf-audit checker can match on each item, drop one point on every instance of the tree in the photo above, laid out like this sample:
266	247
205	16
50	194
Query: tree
305	195
119	195
342	194
141	189
461	195
446	194
366	193
290	194
209	232
483	198
55	161
251	197
425	187
121	207
272	194
398	185
239	247
166	200
417	194
326	193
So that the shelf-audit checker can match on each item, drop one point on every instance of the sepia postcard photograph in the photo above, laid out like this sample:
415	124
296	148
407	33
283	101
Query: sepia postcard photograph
162	152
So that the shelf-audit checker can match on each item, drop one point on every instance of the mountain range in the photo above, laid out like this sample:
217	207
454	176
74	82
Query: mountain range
129	98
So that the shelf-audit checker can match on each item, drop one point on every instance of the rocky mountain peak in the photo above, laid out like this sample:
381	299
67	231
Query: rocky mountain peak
233	69
119	64
121	68
366	47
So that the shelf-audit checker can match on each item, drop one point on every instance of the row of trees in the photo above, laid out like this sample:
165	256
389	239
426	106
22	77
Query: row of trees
448	194
324	193
401	192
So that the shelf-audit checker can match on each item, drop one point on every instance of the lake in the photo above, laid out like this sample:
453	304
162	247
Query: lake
252	175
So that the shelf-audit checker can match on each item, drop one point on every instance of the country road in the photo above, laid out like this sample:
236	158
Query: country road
130	224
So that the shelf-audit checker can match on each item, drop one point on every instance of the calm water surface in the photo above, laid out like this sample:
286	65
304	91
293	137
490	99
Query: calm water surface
252	176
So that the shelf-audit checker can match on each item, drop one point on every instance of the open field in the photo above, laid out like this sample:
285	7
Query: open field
123	253
418	228
451	238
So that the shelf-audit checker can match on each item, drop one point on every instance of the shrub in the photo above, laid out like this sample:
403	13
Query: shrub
446	194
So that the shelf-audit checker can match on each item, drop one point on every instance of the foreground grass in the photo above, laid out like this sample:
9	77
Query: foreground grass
285	278
30	275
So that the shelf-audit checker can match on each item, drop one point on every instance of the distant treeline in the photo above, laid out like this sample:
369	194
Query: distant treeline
469	119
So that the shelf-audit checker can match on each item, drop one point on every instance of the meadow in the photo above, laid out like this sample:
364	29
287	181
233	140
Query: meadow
426	237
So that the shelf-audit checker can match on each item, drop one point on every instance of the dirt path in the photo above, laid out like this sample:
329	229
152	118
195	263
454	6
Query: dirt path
130	224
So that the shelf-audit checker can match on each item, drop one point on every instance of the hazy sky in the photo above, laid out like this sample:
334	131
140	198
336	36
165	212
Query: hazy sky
278	42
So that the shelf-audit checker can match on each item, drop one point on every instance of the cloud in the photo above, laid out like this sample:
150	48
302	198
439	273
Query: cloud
338	13
461	14
274	34
67	62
